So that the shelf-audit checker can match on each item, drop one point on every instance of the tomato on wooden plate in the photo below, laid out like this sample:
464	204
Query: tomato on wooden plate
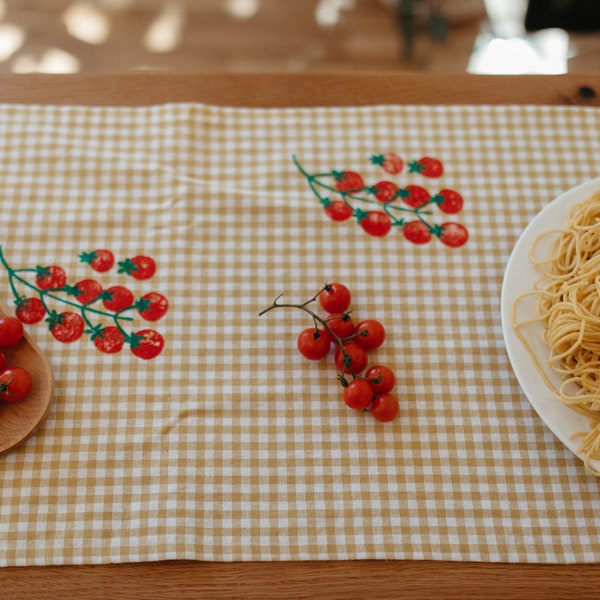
15	384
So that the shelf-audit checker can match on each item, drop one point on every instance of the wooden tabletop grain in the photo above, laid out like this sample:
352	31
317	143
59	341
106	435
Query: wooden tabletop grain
323	579
274	90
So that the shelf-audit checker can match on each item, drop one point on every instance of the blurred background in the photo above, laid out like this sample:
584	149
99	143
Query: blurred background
478	36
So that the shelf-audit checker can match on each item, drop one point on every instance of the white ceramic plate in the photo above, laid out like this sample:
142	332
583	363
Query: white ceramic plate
519	278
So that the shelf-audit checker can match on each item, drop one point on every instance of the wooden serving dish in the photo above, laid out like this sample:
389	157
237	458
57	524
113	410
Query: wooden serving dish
20	420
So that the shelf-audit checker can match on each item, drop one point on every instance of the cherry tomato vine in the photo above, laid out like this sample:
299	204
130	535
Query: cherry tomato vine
385	205
70	311
15	381
351	344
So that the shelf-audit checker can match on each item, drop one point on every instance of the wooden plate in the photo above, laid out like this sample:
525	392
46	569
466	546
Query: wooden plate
20	420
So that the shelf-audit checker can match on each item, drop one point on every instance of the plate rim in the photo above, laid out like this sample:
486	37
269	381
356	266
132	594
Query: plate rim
558	418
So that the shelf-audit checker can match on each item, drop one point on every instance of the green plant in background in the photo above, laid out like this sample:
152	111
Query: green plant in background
415	17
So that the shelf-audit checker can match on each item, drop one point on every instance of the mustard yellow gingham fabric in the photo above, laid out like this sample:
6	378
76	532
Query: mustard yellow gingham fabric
229	445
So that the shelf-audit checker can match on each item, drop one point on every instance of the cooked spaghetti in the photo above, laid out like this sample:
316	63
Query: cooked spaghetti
568	306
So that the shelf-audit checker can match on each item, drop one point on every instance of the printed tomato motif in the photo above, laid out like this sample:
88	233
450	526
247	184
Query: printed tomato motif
152	306
390	162
410	208
109	340
101	315
51	278
449	201
30	310
404	206
139	267
376	223
417	232
87	290
117	297
348	181
427	166
100	260
384	191
147	344
454	235
414	195
338	210
66	327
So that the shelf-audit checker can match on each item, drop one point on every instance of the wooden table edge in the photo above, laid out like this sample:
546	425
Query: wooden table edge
310	579
291	90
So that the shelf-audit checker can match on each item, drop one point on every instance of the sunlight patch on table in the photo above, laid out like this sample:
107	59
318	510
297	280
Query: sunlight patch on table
87	23
52	61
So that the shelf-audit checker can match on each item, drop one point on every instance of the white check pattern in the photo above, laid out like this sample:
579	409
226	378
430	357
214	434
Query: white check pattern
229	446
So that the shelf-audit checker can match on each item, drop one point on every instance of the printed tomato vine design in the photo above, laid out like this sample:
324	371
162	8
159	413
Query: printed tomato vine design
86	308
386	205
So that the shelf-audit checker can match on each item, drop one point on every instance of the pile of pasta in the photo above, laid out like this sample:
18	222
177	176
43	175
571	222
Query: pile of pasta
568	306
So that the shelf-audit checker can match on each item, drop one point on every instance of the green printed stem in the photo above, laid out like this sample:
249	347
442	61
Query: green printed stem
15	274
314	182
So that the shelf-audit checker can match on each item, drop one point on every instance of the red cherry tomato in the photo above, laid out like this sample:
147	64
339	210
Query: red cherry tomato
11	332
153	306
348	181
3	361
109	340
147	344
357	358
358	394
384	376
67	327
341	324
30	311
335	298
51	278
370	334
376	223
314	343
338	210
454	235
15	384
117	297
385	407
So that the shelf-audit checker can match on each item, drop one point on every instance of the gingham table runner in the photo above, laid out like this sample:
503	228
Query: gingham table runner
229	445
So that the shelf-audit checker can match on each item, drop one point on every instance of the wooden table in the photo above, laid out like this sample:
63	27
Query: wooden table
348	579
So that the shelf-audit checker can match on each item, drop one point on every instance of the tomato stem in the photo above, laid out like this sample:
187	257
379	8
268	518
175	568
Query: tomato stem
319	320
